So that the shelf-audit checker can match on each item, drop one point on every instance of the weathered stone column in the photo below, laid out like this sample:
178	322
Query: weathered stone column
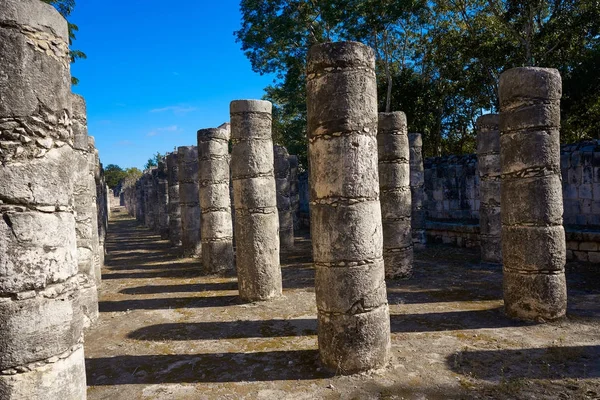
256	218
533	238
41	323
345	214
488	157
139	197
163	199
394	184
189	201
174	208
294	197
99	225
417	190
217	228
86	212
282	172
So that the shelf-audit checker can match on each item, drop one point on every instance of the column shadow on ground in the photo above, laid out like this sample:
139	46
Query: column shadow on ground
574	362
167	303
226	330
451	321
193	368
186	288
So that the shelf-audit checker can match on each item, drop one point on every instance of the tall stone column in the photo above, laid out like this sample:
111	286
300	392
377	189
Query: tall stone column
174	208
256	218
488	157
294	195
41	322
99	226
162	199
394	184
189	201
345	214
217	228
417	190
86	212
533	238
284	201
139	198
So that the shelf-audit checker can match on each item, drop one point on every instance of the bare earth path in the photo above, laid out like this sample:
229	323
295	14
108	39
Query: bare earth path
168	332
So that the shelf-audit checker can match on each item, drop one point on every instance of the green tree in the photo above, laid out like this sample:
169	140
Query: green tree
65	7
438	61
153	161
113	175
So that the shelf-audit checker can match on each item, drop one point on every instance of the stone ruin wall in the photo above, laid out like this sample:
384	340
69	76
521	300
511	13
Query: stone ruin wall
452	199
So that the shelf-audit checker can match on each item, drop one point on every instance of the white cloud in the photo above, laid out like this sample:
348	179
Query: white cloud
174	109
157	131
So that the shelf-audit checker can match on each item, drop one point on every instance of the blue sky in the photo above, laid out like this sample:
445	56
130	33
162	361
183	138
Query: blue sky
157	72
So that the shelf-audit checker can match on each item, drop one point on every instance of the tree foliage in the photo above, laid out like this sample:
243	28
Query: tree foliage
65	8
438	61
153	161
115	175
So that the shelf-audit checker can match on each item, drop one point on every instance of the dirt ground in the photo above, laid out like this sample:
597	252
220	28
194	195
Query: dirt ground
166	331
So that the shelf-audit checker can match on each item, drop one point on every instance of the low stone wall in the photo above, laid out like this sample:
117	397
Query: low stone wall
452	188
453	233
583	245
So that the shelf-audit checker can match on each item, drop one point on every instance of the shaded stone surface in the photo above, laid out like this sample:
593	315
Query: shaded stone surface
162	195
533	238
354	330
174	207
41	317
215	203
86	213
488	156
255	203
189	201
394	184
283	179
417	190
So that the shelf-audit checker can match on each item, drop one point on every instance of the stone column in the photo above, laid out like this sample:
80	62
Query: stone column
41	322
394	184
256	218
533	238
488	157
163	199
139	197
174	208
96	170
189	201
86	212
345	214
217	228
282	172
293	160
417	190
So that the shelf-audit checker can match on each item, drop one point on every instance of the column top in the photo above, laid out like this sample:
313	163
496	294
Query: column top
415	139
529	83
340	55
212	133
392	121
250	106
35	14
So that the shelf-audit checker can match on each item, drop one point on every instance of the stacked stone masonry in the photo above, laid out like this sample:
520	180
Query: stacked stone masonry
174	208
254	193
162	193
347	238
395	192
86	213
488	157
189	201
41	320
283	171
215	201
533	238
